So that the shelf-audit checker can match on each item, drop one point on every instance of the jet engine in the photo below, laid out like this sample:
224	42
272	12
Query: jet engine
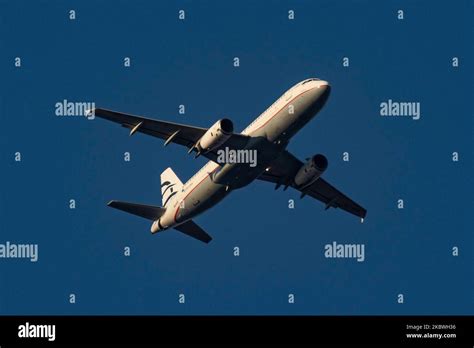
216	135
311	170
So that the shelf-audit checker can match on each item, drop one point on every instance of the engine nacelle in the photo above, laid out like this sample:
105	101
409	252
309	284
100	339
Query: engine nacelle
311	170
216	135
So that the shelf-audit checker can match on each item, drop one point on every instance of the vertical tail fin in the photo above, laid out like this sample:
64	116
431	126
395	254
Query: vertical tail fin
170	185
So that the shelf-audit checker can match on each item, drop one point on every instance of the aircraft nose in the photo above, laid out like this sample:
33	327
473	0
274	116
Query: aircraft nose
322	84
321	92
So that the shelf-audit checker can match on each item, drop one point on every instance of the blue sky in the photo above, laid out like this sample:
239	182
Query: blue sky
190	62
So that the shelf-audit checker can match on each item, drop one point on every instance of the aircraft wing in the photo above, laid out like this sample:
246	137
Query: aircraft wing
283	170
183	134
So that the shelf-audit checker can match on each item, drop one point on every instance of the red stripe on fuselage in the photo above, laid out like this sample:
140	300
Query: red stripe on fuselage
276	113
195	187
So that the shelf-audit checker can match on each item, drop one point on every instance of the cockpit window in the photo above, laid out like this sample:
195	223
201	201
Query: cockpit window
308	80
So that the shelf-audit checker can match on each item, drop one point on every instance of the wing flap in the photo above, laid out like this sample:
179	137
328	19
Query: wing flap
160	129
332	197
180	134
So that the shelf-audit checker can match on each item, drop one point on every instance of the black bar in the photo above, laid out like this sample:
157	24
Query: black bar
243	329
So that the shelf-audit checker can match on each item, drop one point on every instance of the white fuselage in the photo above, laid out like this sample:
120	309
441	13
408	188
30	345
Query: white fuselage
270	133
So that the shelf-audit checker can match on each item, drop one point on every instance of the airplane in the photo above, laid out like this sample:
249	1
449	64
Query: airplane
268	135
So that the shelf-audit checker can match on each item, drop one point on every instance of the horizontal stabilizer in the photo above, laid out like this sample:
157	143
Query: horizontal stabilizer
149	212
193	230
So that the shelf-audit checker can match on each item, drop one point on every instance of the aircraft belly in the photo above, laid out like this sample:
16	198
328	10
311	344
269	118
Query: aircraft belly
237	175
240	175
204	196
